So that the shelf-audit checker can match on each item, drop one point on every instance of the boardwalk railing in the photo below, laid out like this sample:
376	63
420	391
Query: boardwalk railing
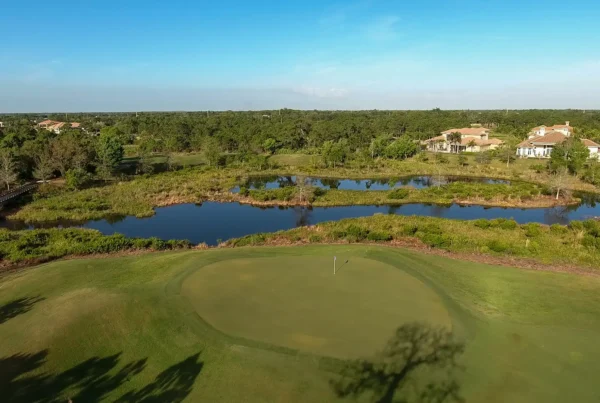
4	197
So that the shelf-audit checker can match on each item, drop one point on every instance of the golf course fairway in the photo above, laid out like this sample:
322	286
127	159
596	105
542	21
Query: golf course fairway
273	324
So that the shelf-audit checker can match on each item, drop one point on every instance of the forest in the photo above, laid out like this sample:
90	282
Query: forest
28	152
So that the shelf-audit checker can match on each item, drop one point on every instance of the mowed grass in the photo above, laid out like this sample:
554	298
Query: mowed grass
298	302
137	328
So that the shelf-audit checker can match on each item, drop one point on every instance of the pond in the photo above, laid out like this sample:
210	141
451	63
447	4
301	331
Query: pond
211	221
419	182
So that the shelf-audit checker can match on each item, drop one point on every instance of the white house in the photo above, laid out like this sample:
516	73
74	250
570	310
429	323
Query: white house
473	139
542	140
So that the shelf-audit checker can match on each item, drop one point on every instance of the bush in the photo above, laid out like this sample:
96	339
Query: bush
77	178
539	168
16	246
436	240
356	232
498	246
484	158
558	229
504	223
319	192
441	158
532	229
398	194
422	157
482	223
379	236
409	229
313	238
284	194
244	191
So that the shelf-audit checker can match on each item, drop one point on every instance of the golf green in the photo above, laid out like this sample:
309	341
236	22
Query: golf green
298	302
272	324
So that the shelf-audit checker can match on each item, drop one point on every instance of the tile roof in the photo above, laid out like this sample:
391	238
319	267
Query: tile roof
480	142
589	143
473	131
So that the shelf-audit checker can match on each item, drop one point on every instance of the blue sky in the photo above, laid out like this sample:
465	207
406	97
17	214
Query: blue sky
196	55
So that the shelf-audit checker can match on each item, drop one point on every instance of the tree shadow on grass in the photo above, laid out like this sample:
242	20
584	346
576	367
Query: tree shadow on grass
417	365
171	385
21	380
17	307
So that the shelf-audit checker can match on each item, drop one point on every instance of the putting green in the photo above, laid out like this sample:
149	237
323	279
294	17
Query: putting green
297	302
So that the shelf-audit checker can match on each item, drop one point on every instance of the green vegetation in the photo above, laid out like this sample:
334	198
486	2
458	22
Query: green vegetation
577	244
137	197
267	324
519	194
47	244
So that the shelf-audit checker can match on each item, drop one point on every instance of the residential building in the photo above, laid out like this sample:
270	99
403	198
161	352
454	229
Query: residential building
1	124
57	127
542	140
472	139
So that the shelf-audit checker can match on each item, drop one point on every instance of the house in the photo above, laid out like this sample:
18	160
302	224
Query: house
542	140
57	127
473	139
1	124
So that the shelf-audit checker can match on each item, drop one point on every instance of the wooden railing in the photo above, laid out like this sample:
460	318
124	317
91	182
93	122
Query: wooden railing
4	197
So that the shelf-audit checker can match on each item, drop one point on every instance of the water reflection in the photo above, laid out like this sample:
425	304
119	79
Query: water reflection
419	182
212	221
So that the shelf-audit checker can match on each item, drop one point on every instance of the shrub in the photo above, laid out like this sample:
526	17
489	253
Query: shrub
422	157
356	232
558	229
482	223
576	225
338	234
244	191
410	229
314	238
498	246
319	192
77	178
590	241
539	168
398	194
441	158
379	236
504	223
532	229
436	240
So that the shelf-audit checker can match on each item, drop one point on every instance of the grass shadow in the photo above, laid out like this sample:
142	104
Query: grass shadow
22	379
417	365
18	307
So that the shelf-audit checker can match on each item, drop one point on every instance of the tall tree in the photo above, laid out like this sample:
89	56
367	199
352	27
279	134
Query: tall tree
572	154
109	151
212	152
8	168
44	165
508	150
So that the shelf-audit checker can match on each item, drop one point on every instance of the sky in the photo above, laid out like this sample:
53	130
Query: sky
72	55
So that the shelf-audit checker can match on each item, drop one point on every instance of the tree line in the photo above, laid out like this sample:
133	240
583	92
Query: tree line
27	152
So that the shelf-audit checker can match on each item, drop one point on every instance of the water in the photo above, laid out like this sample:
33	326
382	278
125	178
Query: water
419	182
211	221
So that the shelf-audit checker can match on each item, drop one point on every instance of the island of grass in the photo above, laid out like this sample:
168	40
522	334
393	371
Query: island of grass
276	324
139	196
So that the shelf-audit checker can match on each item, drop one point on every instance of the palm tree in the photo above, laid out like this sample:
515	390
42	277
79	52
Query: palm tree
471	144
455	139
